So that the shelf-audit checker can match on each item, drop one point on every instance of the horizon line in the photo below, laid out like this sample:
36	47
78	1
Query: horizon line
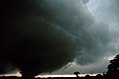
18	74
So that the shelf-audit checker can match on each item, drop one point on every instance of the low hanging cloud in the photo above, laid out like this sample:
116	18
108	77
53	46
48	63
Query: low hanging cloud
44	35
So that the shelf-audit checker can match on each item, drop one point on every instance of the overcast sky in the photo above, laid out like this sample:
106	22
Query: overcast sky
58	36
104	11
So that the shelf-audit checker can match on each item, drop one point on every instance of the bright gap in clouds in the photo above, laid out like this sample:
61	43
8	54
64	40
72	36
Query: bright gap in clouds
15	74
63	75
49	75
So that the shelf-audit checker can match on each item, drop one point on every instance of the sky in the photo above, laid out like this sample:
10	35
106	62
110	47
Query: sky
104	11
58	36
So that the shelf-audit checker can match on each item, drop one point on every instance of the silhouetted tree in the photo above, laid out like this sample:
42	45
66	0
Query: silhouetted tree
98	75
113	67
76	73
87	76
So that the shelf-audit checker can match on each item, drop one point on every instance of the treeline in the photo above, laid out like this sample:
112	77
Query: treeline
99	76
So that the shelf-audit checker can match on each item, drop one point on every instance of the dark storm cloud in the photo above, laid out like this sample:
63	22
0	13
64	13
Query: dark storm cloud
44	35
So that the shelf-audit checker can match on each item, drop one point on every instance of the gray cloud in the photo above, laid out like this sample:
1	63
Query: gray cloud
44	35
107	12
85	1
100	47
94	68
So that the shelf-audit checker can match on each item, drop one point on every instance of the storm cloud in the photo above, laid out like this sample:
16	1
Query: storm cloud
44	35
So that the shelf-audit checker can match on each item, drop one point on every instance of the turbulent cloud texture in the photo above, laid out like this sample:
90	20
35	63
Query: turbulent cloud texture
44	35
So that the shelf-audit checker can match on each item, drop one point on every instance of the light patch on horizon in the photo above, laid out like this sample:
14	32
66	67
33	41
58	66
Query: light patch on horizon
63	75
18	74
